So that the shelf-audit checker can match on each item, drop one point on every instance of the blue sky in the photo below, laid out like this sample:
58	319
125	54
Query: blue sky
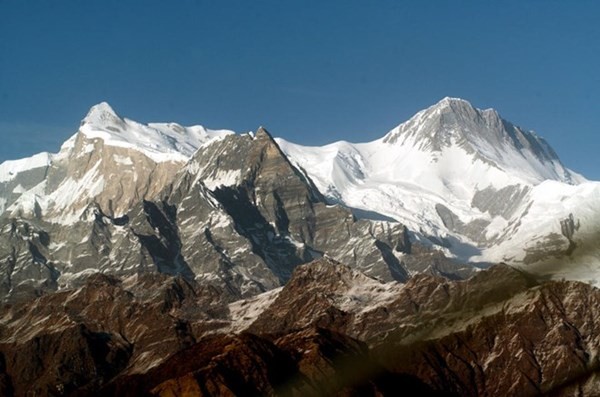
310	71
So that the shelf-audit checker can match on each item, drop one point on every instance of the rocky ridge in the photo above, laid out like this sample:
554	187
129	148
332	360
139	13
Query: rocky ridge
329	331
237	215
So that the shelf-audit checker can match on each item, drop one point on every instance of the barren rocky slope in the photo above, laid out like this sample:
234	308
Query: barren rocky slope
330	330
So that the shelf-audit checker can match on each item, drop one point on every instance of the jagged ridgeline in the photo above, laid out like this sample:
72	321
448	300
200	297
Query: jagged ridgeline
231	210
160	259
452	186
329	331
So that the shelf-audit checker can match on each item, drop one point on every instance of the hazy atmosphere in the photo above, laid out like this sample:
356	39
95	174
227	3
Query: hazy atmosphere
311	72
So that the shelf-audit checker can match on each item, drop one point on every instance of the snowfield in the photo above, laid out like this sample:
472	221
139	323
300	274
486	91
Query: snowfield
453	172
159	141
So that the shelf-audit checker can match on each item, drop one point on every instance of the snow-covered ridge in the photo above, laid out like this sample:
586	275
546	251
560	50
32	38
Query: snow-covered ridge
74	181
447	151
455	122
461	179
9	169
487	189
159	141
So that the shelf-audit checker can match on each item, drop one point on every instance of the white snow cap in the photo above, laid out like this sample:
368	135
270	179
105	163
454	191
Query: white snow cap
449	99
443	157
454	122
101	115
159	141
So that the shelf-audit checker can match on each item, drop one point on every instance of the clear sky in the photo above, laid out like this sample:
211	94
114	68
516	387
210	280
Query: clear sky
310	71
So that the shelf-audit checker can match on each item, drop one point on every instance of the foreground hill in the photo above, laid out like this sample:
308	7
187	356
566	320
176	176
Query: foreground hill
329	331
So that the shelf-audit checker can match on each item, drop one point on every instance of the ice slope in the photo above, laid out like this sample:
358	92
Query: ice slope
159	141
476	185
9	169
558	218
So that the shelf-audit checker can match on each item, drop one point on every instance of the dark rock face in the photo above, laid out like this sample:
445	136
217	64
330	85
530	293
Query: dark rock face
542	348
61	362
330	331
66	340
25	256
498	333
331	295
282	217
312	362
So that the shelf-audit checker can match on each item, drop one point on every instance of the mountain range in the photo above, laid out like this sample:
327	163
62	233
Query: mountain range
146	244
457	182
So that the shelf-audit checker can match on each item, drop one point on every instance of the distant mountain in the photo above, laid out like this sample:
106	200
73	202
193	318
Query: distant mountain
166	260
121	198
470	183
454	182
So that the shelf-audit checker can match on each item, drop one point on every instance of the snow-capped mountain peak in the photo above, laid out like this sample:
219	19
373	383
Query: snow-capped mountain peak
483	135
457	104
450	149
102	115
127	196
159	141
453	172
107	147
